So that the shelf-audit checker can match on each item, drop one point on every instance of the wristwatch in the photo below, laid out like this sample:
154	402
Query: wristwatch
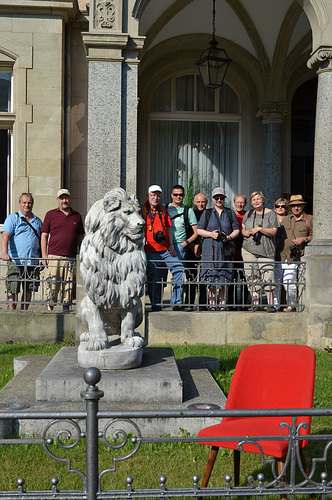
306	241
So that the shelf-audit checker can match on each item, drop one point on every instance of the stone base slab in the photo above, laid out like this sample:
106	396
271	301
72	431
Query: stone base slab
156	380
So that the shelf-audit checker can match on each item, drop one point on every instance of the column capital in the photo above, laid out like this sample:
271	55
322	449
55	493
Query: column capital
273	112
322	57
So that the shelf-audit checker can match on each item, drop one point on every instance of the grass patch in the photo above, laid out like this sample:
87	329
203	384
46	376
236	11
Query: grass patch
178	461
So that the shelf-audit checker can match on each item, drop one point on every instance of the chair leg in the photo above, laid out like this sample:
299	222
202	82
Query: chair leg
306	468
209	466
304	462
237	458
281	464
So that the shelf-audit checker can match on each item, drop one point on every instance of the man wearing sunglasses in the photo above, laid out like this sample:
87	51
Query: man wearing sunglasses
298	227
181	219
184	228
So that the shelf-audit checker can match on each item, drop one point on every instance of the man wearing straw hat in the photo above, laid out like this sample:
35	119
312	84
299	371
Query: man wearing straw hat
298	227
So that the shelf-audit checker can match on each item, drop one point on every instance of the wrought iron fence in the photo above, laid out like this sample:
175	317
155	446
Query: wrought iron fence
35	286
116	429
239	284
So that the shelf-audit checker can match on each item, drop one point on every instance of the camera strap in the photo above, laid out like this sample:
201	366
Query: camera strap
152	216
255	217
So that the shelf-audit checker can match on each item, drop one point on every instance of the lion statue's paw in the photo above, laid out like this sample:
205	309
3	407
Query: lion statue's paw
134	341
97	345
84	337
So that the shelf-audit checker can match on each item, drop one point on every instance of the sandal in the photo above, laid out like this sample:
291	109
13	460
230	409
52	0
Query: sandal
212	308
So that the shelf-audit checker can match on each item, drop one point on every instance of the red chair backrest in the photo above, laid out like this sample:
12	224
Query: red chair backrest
273	376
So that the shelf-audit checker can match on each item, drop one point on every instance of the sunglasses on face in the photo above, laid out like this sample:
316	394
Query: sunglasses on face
178	195
219	198
280	206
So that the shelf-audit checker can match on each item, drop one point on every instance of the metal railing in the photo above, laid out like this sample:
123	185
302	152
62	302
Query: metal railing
239	285
115	430
57	288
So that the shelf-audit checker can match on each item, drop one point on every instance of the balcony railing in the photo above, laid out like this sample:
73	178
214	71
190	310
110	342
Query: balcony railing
194	289
42	287
120	433
239	287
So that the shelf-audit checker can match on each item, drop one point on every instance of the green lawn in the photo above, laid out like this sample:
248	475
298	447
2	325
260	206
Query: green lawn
179	462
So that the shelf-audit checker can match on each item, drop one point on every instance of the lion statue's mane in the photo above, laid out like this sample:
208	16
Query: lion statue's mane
113	267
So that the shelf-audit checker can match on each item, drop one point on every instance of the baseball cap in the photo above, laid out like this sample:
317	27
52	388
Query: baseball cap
62	191
218	190
154	187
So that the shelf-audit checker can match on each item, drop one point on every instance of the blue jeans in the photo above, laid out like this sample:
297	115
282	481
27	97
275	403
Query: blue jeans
174	265
180	251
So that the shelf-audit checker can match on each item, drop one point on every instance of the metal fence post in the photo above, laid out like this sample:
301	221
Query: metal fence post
92	395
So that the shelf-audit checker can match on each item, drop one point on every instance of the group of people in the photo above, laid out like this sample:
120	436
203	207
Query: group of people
197	245
266	245
29	245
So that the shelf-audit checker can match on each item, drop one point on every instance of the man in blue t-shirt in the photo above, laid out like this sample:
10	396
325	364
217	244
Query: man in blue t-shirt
20	247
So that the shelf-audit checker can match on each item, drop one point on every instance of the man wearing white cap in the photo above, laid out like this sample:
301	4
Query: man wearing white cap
158	245
62	233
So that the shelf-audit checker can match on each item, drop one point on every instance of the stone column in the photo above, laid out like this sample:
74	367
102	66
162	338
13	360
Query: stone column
112	101
272	118
318	254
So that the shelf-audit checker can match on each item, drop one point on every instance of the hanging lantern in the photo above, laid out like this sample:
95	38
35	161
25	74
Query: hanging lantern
213	63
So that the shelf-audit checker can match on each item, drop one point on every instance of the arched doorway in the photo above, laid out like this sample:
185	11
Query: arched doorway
303	135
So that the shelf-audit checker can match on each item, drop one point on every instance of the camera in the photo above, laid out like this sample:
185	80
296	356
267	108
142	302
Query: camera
159	237
222	236
257	237
295	253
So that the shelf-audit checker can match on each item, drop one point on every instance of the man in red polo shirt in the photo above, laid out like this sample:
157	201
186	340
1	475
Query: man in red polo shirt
159	248
61	235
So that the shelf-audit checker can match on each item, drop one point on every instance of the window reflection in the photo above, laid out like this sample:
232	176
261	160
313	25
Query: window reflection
5	91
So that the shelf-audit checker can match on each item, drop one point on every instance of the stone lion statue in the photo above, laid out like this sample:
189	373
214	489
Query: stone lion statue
113	267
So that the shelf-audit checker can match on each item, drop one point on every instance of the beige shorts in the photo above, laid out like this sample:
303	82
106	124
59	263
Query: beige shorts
60	277
259	271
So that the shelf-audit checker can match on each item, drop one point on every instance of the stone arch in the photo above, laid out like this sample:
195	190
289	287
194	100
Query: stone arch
7	56
319	20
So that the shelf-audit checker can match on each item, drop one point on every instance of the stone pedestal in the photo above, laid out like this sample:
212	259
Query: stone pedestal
318	294
157	379
116	357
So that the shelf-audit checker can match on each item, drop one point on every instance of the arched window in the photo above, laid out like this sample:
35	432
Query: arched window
194	136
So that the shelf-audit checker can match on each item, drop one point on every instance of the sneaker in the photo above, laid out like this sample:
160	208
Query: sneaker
289	309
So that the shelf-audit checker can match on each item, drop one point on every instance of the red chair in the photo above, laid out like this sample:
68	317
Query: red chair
265	377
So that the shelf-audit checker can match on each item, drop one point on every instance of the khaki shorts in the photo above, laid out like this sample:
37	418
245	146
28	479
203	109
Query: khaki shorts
260	272
16	274
60	277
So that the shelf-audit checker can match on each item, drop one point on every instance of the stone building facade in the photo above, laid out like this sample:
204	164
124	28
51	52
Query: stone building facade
106	93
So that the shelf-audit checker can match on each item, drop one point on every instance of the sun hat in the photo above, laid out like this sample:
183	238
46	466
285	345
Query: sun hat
296	199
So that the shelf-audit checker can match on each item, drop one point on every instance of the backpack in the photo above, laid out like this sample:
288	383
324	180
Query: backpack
189	231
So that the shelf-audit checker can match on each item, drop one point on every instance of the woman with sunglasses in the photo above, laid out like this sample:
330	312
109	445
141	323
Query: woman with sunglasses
218	226
280	208
259	229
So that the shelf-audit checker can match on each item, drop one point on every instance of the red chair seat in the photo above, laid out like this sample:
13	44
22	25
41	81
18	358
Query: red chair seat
269	426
